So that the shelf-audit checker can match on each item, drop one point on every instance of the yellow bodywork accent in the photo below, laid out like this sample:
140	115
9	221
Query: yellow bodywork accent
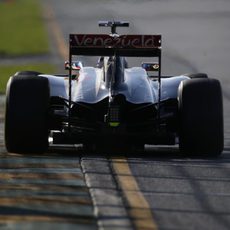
114	124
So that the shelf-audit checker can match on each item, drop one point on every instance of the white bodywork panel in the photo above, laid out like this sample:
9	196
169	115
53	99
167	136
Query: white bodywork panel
137	86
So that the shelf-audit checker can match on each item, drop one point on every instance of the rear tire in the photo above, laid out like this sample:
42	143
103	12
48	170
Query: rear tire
26	119
27	73
200	117
197	75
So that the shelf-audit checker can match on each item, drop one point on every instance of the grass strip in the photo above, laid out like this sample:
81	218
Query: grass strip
22	28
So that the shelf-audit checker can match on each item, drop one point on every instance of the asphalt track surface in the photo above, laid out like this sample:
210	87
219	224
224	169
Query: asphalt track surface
157	189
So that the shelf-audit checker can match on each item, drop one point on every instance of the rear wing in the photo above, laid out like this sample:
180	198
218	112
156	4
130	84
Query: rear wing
109	45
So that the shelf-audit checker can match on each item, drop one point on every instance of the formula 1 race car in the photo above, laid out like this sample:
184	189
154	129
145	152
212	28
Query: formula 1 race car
114	105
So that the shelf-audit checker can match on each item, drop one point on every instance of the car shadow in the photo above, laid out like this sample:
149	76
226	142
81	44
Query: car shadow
150	152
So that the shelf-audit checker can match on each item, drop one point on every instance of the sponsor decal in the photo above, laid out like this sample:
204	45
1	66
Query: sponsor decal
107	41
156	66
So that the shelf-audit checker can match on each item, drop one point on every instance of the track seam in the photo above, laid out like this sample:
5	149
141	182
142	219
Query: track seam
115	219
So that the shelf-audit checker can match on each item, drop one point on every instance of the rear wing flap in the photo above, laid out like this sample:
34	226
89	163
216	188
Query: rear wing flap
108	45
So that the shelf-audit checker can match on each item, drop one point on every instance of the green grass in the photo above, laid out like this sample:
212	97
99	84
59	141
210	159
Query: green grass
22	30
7	71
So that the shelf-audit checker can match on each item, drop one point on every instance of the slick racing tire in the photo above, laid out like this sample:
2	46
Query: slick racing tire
26	118
200	117
197	75
27	73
